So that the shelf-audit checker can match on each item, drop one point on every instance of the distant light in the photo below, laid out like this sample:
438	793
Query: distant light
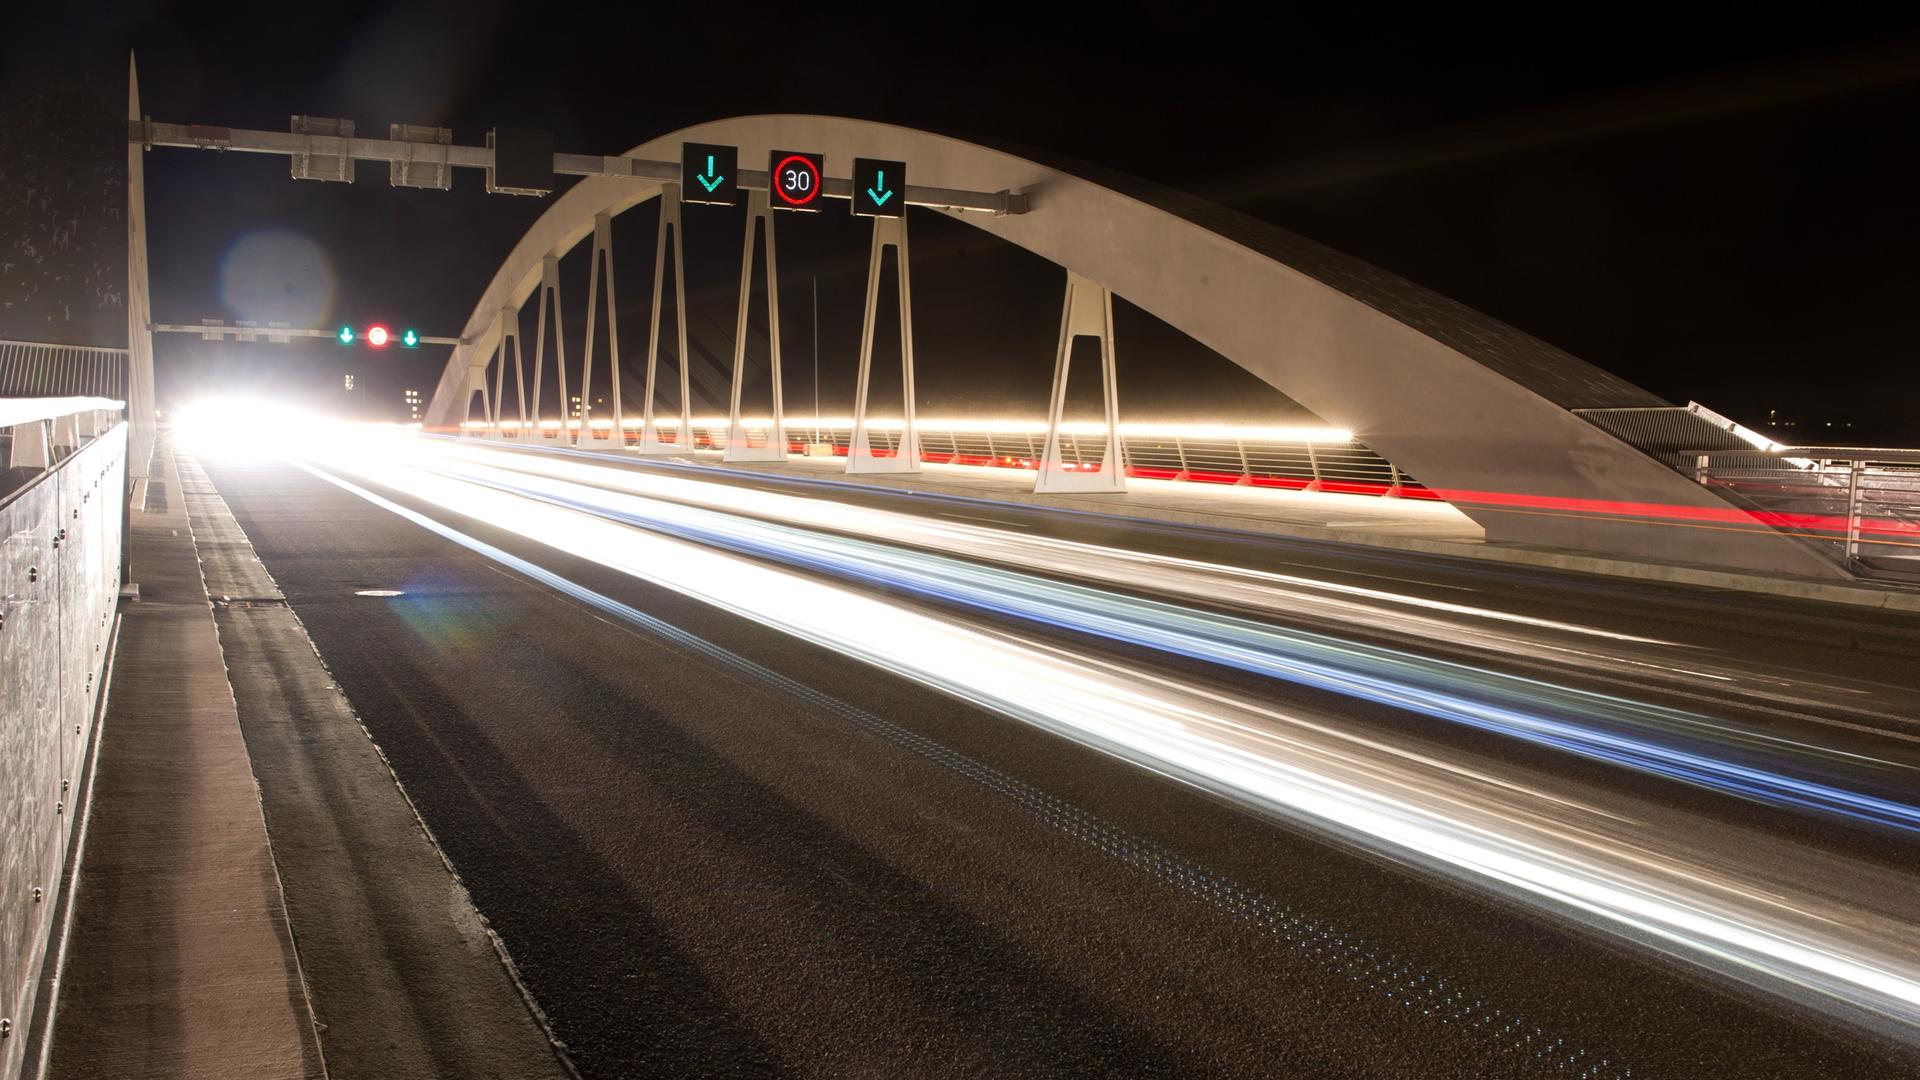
410	339
377	336
345	336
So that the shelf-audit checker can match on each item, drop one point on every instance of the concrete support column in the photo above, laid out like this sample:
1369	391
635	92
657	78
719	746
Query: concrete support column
760	219
550	288
602	251
140	397
477	384
887	232
669	224
1088	313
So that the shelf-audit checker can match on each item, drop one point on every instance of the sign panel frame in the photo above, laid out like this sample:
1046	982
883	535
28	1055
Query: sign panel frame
709	174
796	180
879	188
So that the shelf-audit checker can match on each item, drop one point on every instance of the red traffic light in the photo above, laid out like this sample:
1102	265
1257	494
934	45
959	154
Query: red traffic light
377	336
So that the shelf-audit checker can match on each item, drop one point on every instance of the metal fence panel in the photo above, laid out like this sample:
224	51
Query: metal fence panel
30	738
38	369
1226	454
1862	509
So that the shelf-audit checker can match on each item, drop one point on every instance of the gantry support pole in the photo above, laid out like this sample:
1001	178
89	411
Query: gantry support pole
550	287
887	232
602	250
140	400
760	219
650	434
1088	313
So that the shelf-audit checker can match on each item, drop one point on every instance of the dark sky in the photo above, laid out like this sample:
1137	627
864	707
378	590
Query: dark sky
1722	210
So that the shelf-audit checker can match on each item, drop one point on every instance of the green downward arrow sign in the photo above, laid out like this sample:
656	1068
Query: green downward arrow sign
880	197
708	180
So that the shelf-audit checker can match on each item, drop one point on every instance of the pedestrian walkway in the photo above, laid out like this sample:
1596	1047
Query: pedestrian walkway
257	897
179	962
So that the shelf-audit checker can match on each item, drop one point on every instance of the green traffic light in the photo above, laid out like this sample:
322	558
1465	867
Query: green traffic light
410	339
345	336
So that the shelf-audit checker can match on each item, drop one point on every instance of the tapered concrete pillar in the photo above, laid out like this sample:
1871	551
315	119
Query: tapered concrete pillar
888	232
1088	313
759	220
649	430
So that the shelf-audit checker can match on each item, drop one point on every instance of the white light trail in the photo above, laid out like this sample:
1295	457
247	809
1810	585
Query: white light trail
1779	913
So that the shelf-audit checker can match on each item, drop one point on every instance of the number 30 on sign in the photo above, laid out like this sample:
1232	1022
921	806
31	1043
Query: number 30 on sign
795	179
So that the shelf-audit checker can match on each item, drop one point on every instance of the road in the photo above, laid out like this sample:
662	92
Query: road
833	802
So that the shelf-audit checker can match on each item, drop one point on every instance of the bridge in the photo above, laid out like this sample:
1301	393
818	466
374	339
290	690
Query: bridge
1505	720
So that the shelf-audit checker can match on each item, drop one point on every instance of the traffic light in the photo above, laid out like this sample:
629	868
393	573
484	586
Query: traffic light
377	336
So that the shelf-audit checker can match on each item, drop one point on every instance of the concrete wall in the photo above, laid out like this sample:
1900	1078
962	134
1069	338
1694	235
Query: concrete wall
58	593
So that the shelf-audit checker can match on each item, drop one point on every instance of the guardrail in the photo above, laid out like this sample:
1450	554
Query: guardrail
1297	458
62	517
1860	504
41	369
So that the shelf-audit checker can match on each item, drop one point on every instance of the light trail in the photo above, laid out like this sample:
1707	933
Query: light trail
1294	597
1169	574
1607	728
1822	929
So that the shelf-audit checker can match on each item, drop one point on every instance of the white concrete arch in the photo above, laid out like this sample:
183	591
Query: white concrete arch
1474	409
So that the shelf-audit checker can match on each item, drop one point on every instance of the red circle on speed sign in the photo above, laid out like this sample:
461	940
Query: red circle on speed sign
803	186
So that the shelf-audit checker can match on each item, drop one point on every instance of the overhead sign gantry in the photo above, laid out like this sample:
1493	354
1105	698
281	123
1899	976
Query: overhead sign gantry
517	162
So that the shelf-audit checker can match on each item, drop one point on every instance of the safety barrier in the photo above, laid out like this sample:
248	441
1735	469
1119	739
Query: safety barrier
1861	505
61	524
1300	458
40	369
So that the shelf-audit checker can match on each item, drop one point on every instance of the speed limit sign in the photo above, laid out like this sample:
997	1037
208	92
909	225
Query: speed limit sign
795	179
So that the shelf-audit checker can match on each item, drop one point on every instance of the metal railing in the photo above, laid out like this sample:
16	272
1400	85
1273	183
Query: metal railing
39	369
61	525
1861	505
1298	458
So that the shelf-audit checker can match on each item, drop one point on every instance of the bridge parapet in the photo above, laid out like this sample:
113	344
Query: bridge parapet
61	527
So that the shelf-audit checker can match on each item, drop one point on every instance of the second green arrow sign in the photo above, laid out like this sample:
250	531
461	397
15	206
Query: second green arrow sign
879	188
709	174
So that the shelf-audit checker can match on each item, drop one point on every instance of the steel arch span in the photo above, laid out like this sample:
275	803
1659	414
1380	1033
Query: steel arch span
1479	412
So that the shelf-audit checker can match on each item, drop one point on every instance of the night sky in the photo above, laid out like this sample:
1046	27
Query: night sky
1721	211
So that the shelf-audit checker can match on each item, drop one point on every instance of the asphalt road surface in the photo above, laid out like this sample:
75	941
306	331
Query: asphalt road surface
715	848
